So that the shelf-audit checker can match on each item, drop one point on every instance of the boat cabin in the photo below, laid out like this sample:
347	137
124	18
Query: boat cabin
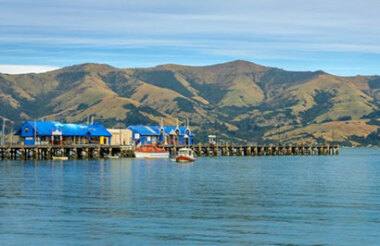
212	140
186	152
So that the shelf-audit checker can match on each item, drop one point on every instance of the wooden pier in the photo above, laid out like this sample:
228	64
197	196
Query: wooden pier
86	151
255	150
91	151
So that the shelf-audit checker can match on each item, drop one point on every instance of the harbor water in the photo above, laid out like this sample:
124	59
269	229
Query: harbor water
288	200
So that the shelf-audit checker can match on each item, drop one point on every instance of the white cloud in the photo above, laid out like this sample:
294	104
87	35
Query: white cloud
22	69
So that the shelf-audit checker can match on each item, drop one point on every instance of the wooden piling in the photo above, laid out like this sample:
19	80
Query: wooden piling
255	151
215	151
270	150
199	149
240	150
249	151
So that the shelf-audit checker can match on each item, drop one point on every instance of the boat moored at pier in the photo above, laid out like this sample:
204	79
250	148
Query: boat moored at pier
151	152
185	155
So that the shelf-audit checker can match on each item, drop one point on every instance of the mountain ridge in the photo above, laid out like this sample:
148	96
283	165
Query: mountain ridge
240	100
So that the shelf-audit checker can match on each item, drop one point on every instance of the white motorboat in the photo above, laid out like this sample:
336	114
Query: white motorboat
185	155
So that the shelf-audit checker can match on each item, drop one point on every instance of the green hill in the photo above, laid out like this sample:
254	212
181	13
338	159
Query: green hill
242	101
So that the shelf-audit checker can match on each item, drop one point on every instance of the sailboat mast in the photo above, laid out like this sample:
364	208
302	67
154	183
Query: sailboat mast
3	133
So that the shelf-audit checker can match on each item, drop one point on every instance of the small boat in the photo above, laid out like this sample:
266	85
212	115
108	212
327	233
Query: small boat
185	155
151	152
60	158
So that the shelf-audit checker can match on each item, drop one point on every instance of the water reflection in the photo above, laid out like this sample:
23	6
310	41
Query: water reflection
271	200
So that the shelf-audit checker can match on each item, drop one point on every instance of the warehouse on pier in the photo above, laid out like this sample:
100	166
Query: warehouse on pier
57	133
163	135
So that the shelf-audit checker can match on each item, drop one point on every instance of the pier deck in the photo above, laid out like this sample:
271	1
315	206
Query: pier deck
91	151
256	150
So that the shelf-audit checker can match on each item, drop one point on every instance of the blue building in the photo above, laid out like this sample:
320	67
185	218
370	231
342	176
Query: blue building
163	135
57	133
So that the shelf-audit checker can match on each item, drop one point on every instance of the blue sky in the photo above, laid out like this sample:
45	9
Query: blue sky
337	36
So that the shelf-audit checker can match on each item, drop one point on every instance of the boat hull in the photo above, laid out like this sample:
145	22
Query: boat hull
152	155
184	159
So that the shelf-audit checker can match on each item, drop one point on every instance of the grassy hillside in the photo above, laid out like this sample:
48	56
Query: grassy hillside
242	101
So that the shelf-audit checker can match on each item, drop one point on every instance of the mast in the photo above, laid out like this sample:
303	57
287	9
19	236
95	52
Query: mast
11	133
162	130
3	133
35	132
215	126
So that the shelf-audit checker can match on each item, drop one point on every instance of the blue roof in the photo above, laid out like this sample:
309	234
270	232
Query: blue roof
146	130
45	128
98	130
155	130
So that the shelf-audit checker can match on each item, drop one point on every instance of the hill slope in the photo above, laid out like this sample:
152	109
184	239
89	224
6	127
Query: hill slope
242	101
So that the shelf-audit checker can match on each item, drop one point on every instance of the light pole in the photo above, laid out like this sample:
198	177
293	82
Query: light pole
3	133
11	133
35	132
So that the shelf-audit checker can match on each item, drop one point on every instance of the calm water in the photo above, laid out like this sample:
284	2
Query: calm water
219	201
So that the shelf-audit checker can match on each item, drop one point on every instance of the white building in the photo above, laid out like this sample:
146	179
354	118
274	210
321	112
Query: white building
121	136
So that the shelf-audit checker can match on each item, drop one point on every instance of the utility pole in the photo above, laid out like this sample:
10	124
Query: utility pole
216	138
11	133
3	133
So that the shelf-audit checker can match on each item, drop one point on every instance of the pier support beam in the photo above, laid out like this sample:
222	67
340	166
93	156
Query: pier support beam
248	151
270	150
240	151
295	152
231	151
255	151
215	151
224	151
336	150
34	154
